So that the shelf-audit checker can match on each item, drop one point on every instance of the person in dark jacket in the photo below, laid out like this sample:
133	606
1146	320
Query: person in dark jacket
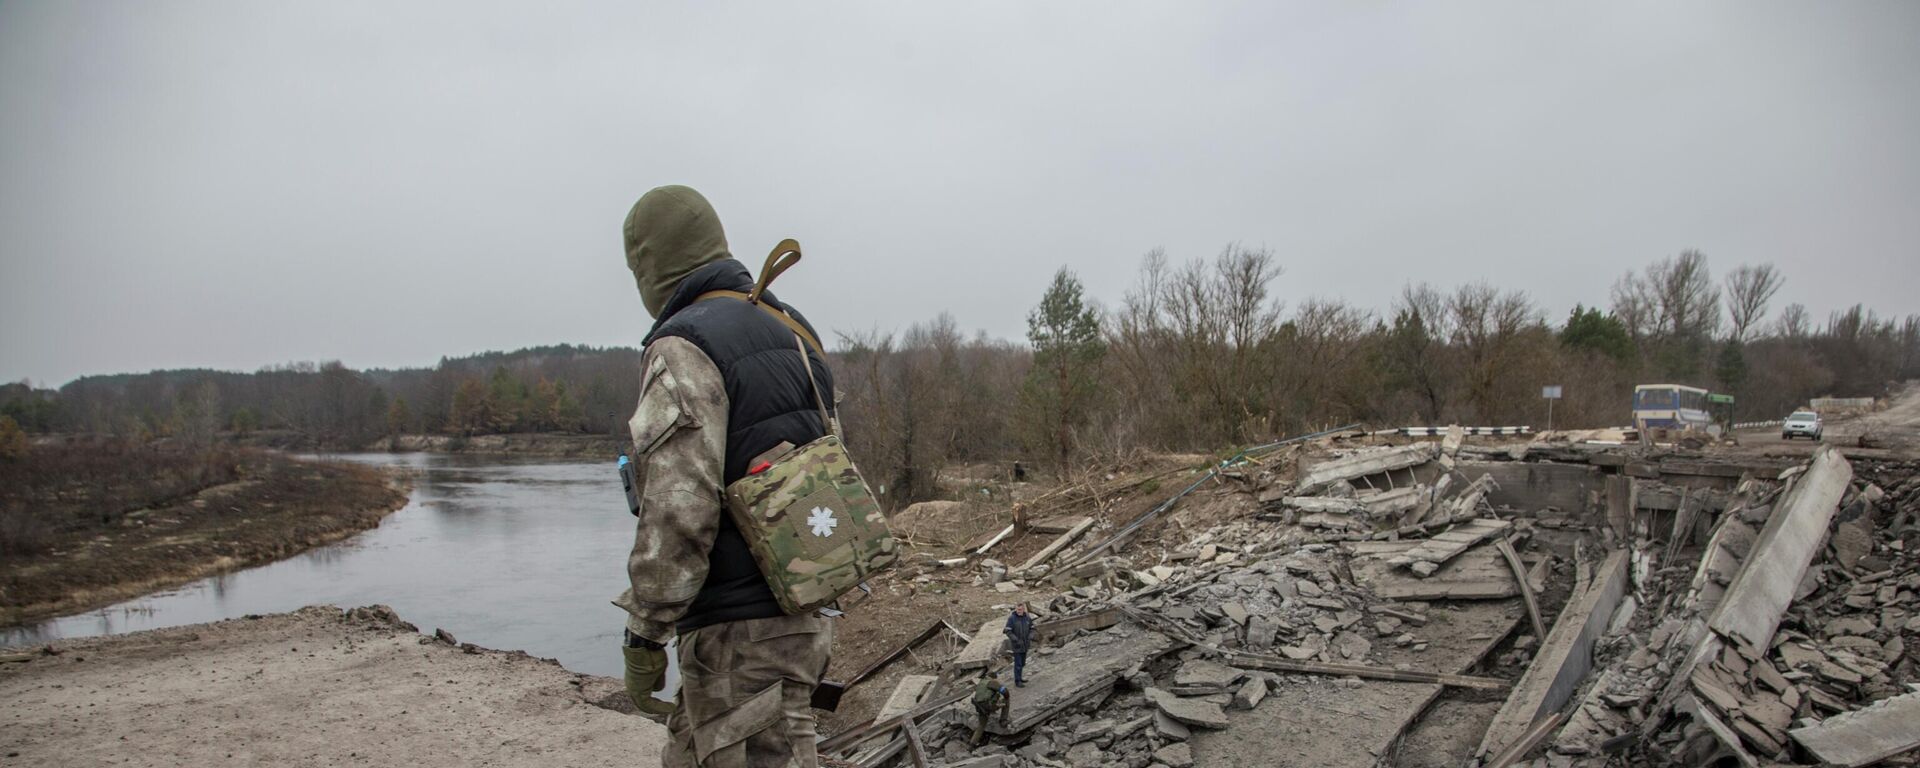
720	383
1019	632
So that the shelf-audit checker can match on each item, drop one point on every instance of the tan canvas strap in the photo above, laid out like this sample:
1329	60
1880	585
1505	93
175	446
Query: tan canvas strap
777	262
826	421
784	318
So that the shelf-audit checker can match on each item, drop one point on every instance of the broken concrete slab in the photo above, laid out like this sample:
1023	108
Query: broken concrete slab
1481	573
1078	669
1201	672
1621	491
1092	729
1450	543
984	647
1168	728
1192	712
906	696
1362	464
1862	737
1176	755
1760	593
983	761
1564	659
1061	627
1332	723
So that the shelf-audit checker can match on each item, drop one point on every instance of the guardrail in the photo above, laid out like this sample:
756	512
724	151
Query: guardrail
1442	431
1757	424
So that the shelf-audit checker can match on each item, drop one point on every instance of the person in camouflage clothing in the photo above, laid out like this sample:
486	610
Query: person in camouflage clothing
722	389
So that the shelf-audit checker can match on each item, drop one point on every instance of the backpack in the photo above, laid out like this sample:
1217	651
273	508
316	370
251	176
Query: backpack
812	524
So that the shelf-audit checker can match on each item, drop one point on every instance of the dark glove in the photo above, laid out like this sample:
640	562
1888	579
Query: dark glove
646	673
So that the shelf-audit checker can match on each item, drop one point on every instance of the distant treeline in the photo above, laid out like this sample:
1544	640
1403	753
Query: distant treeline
1196	356
544	389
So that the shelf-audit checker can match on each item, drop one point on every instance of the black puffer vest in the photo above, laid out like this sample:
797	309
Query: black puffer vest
768	401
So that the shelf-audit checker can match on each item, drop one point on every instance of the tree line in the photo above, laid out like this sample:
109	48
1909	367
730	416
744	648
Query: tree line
1197	355
565	388
1201	356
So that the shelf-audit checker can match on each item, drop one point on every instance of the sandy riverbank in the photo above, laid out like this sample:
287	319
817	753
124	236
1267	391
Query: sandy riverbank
318	686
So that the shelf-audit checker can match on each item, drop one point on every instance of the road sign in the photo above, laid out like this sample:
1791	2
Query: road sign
1550	392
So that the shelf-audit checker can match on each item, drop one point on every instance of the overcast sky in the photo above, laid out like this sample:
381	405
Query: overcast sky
237	184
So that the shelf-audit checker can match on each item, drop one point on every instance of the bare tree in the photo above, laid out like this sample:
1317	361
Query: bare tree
1487	324
1633	304
1749	289
196	413
1688	303
1794	323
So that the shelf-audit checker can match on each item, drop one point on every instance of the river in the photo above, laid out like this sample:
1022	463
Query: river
514	554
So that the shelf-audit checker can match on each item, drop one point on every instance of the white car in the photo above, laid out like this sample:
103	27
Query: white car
1801	424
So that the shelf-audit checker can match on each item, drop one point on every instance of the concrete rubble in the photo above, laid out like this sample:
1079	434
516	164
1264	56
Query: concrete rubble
1622	605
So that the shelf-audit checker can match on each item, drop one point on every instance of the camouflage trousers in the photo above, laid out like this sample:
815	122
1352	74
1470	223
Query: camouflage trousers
745	688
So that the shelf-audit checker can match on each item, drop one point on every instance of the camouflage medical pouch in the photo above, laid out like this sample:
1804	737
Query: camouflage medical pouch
814	527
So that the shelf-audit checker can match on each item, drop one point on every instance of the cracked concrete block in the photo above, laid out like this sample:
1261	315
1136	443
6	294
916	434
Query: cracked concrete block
1168	728
1177	755
1250	694
1204	714
1204	673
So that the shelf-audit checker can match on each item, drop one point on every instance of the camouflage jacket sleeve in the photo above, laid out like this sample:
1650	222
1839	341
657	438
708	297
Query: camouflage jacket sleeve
679	446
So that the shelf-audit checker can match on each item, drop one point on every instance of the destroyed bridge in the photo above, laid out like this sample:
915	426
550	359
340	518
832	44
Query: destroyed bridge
1448	602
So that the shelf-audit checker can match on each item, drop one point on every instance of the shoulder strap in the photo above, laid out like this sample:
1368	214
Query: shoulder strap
784	318
826	419
778	261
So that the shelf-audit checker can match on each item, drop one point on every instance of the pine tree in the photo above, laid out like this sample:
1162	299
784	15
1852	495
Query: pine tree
1587	328
1067	350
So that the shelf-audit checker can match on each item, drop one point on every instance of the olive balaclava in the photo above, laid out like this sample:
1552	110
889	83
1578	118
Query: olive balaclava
671	232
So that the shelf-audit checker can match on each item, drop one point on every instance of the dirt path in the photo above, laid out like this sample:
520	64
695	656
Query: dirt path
313	687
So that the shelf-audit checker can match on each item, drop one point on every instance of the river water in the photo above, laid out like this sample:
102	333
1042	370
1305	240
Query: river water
514	554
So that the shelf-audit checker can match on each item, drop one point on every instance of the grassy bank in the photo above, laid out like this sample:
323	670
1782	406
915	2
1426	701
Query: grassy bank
83	526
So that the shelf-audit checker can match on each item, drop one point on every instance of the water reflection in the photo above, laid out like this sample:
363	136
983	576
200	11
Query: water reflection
510	554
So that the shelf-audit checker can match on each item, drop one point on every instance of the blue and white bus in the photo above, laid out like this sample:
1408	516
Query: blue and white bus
1670	408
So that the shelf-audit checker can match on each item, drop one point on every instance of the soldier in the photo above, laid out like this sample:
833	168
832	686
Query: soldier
722	385
988	694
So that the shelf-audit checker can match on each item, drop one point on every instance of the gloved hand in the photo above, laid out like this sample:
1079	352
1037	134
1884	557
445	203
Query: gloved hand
646	673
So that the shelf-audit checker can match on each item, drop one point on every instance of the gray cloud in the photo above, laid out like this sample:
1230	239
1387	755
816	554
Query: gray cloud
236	184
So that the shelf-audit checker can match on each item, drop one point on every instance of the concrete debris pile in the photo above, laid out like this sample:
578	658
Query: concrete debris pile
1702	610
1410	485
1782	643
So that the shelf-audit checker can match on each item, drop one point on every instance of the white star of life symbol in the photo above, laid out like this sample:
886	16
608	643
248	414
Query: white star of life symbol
822	521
